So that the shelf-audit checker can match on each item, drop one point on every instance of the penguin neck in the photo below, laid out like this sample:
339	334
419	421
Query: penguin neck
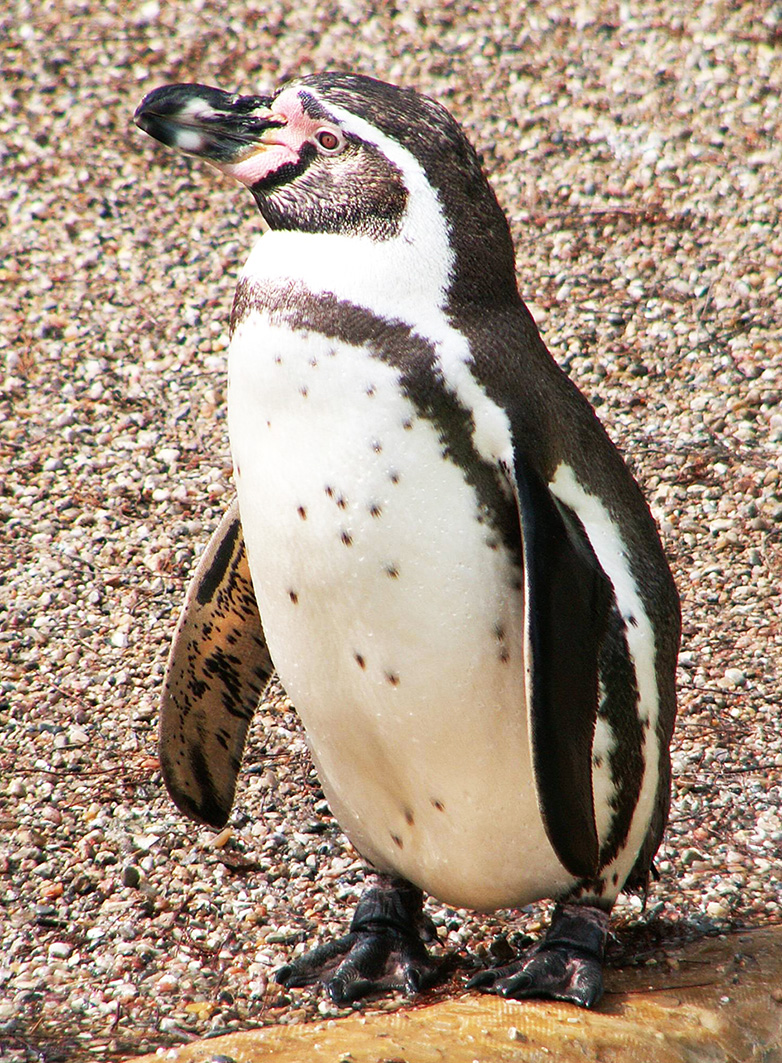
414	276
388	277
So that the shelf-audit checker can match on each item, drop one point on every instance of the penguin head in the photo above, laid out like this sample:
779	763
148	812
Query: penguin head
345	153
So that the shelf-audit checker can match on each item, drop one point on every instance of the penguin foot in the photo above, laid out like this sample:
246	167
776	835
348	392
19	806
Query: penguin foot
383	950
566	965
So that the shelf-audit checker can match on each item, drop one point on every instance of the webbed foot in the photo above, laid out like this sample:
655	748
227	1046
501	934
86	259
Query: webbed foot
566	965
383	950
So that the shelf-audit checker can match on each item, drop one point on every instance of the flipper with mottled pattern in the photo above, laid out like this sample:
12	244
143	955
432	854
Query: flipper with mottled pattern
216	672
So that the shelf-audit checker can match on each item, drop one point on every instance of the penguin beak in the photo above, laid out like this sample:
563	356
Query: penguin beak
221	127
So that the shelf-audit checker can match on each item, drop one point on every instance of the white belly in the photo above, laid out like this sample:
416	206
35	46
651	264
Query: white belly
395	628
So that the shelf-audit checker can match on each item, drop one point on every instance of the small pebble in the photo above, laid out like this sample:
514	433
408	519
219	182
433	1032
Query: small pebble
131	876
60	950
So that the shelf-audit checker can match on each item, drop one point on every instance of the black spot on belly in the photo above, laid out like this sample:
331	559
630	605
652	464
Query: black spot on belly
329	490
304	391
407	425
313	362
375	510
397	841
341	503
346	538
302	512
438	804
360	660
277	360
392	571
392	678
370	390
393	476
376	446
504	655
293	597
409	817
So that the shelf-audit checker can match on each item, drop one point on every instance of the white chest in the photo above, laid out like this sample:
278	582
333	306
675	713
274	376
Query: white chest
393	617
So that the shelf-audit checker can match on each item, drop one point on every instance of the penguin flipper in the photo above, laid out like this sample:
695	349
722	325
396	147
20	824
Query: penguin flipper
216	672
567	600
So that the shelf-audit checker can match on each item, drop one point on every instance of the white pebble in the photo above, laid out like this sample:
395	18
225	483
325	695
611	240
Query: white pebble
77	736
717	910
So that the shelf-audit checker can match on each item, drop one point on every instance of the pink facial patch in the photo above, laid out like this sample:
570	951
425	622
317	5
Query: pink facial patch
279	147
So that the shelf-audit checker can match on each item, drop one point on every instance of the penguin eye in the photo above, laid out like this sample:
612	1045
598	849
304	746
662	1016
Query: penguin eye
329	141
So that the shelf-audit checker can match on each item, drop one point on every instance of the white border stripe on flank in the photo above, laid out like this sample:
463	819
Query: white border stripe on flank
611	551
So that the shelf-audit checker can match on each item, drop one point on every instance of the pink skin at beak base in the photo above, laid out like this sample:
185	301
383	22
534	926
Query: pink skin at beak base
278	147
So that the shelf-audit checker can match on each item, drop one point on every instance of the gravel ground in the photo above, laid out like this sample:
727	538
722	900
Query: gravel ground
638	152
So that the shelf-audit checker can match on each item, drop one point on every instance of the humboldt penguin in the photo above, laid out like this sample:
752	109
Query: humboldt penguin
437	547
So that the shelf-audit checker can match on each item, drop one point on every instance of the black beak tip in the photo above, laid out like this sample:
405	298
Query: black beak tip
166	100
159	111
140	116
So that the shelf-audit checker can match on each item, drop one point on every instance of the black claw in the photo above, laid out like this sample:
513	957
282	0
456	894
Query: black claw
413	978
338	991
516	987
284	975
